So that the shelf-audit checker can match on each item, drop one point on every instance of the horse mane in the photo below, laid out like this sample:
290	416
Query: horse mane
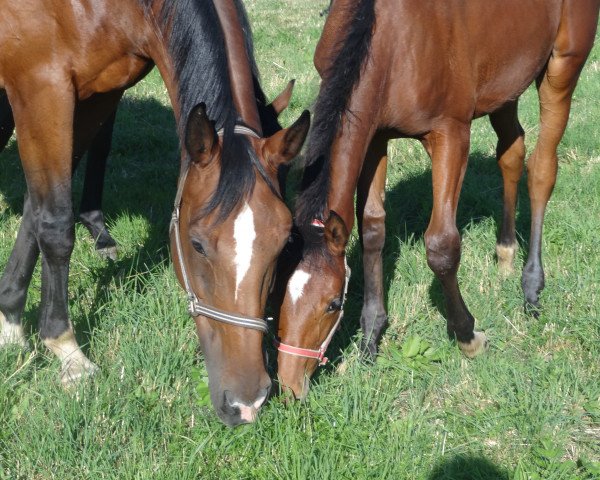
332	102
196	43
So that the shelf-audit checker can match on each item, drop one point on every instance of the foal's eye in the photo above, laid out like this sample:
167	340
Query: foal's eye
335	306
198	247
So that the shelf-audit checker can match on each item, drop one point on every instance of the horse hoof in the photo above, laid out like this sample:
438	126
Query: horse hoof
475	347
533	309
107	253
506	258
368	350
77	370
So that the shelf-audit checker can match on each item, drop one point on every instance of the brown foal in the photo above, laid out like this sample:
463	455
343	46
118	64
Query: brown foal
424	70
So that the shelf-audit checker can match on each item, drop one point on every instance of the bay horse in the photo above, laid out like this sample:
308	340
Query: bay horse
64	69
90	209
424	70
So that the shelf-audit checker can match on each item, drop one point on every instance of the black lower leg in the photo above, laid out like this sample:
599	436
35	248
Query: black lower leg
90	211
533	273
17	273
443	257
56	236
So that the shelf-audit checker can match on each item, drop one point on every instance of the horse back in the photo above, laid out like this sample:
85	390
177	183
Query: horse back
465	59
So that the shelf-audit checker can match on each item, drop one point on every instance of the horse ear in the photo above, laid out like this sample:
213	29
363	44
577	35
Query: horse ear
200	136
336	234
284	145
282	100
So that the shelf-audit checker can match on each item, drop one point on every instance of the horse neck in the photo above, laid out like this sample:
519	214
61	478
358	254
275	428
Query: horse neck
347	156
240	80
240	71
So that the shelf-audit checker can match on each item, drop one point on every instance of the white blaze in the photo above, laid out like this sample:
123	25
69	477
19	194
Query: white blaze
296	284
244	235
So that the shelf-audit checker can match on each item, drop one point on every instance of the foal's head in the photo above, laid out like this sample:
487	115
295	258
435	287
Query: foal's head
312	302
232	227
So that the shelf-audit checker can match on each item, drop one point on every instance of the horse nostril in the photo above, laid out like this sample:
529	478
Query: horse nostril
246	412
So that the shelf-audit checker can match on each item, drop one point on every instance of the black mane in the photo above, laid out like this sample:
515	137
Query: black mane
196	44
332	102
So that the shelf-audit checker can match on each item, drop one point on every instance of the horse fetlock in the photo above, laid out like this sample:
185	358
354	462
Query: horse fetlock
477	346
506	257
11	333
372	325
532	283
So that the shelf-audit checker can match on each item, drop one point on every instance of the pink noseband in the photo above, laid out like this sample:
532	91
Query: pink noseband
318	354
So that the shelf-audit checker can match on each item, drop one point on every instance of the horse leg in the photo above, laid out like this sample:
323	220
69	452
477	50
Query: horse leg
510	153
370	213
44	120
449	149
90	211
16	278
555	89
7	123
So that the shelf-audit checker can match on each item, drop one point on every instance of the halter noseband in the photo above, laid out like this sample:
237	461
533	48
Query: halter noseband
318	354
195	306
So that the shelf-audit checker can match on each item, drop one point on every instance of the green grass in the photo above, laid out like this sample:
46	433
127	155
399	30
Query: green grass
530	408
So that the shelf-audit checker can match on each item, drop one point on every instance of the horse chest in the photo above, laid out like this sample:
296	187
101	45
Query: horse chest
118	74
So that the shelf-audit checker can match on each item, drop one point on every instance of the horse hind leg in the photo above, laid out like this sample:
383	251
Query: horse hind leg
510	153
90	211
370	213
555	89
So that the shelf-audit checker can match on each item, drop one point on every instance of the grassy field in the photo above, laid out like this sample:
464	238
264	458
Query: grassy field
530	408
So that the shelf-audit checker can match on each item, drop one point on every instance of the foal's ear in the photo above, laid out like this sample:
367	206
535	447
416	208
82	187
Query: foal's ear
282	100
200	136
283	146
336	234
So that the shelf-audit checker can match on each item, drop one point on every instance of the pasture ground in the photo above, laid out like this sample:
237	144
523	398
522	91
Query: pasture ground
529	408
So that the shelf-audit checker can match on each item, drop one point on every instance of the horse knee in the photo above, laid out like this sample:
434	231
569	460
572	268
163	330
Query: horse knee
56	233
443	251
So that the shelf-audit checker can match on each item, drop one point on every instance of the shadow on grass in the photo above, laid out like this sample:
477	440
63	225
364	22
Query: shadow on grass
140	181
462	467
408	207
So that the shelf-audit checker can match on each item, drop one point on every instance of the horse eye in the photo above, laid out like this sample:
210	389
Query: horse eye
198	247
335	306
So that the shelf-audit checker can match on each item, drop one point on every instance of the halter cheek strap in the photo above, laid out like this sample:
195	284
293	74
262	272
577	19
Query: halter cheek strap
195	306
318	354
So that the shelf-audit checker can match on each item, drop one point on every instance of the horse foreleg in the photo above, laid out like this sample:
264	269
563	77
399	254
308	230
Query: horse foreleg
510	153
449	149
44	119
90	211
555	89
370	213
16	278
